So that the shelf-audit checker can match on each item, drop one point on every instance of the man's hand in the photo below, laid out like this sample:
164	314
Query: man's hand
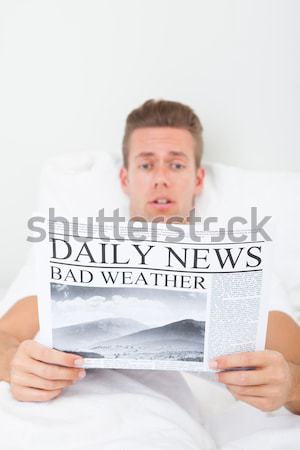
271	383
39	373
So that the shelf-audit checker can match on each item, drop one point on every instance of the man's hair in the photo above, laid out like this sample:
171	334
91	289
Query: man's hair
164	113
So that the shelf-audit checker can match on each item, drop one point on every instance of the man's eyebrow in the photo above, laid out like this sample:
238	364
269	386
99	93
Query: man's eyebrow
178	153
144	154
170	153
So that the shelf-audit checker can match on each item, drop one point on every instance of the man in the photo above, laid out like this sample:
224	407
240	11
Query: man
162	151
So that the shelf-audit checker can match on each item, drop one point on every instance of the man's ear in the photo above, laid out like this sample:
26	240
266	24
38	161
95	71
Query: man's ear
200	175
123	176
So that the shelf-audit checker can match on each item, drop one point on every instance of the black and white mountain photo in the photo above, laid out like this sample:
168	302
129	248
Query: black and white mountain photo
129	323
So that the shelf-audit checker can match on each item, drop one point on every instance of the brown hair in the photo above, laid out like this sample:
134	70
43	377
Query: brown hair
163	113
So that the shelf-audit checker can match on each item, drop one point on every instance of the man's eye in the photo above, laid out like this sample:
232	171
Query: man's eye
177	166
146	166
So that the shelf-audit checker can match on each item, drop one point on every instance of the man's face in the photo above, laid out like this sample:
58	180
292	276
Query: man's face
161	178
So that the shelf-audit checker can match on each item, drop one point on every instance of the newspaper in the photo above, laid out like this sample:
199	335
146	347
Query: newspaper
153	303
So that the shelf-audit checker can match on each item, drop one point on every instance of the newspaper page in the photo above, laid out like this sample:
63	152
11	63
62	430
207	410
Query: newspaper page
160	301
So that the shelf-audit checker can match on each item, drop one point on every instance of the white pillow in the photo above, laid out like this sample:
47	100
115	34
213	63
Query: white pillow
232	191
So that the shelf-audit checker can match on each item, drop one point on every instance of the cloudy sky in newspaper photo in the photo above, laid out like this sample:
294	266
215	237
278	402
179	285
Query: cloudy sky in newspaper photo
153	307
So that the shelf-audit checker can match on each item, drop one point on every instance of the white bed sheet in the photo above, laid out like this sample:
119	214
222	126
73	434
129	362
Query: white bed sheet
108	410
122	410
235	425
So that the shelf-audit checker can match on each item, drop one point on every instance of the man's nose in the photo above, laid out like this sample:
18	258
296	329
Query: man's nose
161	178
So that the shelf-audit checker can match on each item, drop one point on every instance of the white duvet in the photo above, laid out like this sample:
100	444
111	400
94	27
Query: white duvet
245	428
109	410
143	410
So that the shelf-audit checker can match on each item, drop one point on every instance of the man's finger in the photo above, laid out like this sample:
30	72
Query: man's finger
246	359
243	377
53	372
50	355
252	391
34	381
27	394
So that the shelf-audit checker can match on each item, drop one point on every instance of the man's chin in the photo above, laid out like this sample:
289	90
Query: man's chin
163	216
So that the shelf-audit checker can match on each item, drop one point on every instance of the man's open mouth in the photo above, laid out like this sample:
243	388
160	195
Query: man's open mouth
161	202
